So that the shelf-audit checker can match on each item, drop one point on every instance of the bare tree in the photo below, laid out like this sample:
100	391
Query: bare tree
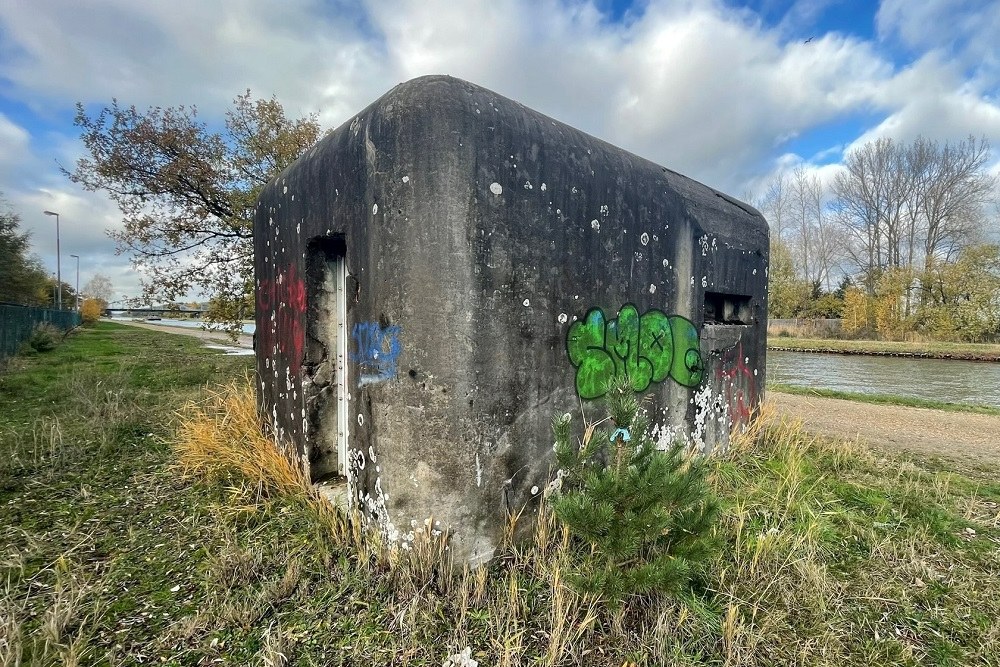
952	195
872	196
908	207
100	288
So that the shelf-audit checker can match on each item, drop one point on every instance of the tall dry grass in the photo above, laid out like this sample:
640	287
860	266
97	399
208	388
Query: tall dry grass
776	595
220	437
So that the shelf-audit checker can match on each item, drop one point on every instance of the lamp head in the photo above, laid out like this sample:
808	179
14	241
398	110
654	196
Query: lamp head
51	213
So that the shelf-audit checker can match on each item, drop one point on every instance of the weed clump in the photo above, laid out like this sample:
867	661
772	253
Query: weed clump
645	514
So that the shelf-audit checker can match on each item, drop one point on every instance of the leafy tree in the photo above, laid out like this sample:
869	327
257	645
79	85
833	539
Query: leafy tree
90	310
858	312
22	278
895	304
187	193
644	515
788	296
961	299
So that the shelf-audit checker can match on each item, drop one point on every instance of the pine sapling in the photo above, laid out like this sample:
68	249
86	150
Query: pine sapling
645	514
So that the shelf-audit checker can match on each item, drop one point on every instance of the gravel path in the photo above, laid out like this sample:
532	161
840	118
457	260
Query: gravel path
965	438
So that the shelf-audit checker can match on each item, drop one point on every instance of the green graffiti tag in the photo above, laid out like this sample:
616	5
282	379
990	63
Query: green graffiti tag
643	349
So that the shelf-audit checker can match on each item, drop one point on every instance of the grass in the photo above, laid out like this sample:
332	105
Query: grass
885	399
934	349
196	545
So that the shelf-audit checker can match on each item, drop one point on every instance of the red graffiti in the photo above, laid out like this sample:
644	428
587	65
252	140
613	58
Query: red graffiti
739	383
285	297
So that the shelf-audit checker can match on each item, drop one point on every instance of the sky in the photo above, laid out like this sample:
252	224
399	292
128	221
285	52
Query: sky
729	93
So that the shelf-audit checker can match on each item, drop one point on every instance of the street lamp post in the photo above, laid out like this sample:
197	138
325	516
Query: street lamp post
58	267
77	282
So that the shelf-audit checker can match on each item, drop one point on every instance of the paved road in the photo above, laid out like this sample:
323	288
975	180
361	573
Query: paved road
214	337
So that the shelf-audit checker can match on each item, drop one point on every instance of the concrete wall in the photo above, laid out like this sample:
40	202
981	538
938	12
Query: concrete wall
501	266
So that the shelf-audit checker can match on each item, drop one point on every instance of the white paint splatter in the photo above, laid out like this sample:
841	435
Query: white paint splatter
594	224
374	209
704	281
406	179
652	288
604	210
527	185
496	188
544	188
562	318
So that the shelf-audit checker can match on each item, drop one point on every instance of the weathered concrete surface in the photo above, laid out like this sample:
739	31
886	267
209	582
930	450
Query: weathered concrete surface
502	267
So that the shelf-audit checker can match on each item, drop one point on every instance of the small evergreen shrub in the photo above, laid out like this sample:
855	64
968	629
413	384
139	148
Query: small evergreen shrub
645	515
45	337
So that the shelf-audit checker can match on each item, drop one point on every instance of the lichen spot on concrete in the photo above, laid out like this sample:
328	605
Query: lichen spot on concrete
406	179
562	318
496	188
652	288
526	302
543	187
374	209
595	225
644	239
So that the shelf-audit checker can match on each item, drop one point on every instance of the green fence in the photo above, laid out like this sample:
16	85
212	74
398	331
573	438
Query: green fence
17	323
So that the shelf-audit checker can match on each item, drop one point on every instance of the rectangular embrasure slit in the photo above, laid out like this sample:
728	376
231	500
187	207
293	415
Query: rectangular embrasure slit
726	308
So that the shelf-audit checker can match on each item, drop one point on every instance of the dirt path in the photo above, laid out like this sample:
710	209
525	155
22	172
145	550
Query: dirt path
965	438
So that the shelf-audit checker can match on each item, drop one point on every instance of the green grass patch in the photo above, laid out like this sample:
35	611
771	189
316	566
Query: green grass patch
832	555
884	399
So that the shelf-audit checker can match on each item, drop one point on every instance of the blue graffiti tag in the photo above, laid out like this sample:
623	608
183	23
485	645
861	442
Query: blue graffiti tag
377	351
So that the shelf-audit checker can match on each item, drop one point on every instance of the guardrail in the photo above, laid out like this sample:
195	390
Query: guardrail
17	323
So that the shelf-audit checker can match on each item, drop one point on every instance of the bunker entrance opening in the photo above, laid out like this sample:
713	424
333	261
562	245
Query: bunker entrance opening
325	370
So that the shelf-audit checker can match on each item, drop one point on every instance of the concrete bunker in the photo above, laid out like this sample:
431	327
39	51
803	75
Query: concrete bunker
445	272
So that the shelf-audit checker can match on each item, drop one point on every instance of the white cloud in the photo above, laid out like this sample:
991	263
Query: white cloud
695	85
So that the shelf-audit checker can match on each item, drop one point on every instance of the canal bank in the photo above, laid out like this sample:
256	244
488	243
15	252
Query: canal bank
923	350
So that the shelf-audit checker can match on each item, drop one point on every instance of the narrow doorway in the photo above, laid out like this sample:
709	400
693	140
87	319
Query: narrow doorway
325	370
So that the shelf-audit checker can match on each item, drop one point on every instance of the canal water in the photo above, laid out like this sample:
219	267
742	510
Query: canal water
947	380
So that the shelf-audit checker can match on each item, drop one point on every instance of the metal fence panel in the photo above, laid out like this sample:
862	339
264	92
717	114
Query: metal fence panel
17	323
